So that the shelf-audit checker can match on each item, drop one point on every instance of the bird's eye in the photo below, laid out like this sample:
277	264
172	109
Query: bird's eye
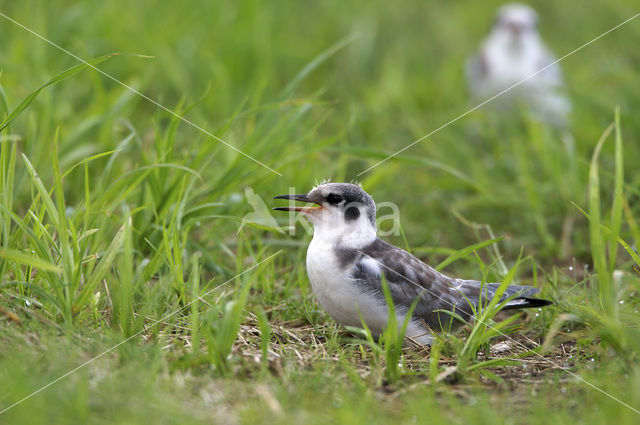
334	199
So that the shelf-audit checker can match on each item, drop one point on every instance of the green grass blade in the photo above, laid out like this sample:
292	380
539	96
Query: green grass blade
634	255
466	251
50	207
3	100
57	78
598	247
126	280
316	62
494	363
194	280
102	269
28	260
633	225
70	283
39	291
618	196
480	332
89	159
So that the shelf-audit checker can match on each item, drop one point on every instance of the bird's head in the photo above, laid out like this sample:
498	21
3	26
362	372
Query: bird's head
342	210
516	20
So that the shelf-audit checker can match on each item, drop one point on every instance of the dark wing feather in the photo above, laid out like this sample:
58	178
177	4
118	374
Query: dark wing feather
409	278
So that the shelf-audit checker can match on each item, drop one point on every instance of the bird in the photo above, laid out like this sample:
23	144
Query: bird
347	262
514	54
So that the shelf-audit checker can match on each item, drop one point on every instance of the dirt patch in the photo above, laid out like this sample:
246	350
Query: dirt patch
306	344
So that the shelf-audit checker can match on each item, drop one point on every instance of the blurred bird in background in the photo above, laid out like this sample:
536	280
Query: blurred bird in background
512	52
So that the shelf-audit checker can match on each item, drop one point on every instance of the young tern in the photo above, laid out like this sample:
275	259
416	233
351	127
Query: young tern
346	262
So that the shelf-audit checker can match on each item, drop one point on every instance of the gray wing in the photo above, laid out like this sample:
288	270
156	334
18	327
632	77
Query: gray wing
409	278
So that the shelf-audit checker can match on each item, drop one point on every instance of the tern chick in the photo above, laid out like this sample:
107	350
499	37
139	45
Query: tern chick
346	261
514	53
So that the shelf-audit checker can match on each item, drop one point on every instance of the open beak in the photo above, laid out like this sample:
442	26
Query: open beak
302	198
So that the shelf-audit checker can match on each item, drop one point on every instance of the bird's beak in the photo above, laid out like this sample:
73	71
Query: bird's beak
302	198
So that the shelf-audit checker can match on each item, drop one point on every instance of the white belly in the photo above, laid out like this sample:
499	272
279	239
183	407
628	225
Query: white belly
345	302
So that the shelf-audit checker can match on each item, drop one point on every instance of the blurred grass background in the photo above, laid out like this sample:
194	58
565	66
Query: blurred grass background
314	90
398	78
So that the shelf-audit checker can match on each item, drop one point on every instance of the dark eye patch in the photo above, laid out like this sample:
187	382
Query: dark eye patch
334	199
352	213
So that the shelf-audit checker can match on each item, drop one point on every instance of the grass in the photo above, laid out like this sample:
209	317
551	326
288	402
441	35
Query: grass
122	224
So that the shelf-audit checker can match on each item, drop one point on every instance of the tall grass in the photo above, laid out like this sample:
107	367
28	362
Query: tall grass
616	332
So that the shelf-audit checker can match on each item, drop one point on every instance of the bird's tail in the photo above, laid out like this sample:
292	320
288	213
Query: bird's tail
518	296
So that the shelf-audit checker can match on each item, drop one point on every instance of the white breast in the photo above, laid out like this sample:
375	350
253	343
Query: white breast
341	297
337	292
